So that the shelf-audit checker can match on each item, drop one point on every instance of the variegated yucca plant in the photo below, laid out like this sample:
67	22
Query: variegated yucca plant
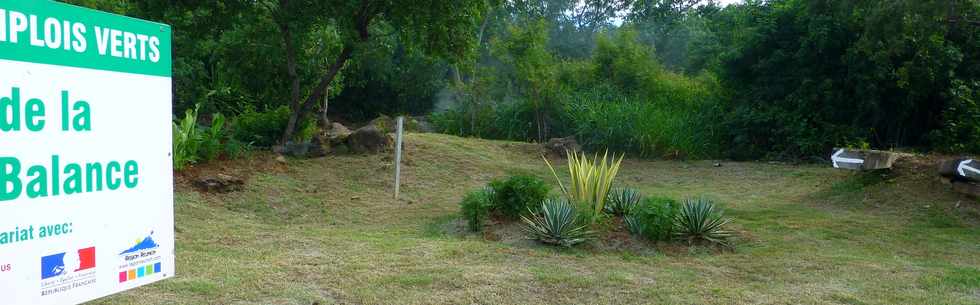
555	224
590	179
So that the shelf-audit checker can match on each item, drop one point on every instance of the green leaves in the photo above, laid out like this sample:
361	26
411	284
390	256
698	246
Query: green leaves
590	179
475	208
622	201
556	224
186	140
699	221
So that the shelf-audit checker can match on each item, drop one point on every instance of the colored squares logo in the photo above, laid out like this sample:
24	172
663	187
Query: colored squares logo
139	272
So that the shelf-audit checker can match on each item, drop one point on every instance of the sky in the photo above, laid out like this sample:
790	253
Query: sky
724	2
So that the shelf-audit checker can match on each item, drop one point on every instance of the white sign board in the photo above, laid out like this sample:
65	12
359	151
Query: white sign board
86	180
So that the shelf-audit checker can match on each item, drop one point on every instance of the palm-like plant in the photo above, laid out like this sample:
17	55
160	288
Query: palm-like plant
556	224
622	201
699	221
186	139
591	179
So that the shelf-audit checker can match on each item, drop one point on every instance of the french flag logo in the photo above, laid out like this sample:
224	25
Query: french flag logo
54	265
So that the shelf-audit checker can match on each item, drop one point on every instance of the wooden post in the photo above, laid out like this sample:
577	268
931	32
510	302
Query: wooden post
398	155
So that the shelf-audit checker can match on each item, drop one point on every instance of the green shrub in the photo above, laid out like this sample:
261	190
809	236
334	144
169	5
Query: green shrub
556	224
518	193
622	201
193	143
212	138
186	140
266	128
475	208
653	218
699	222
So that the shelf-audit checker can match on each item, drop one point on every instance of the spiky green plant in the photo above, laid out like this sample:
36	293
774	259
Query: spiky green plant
634	224
699	221
590	179
555	224
622	201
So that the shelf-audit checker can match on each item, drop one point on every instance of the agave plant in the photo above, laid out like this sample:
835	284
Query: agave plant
635	225
699	221
591	179
622	201
556	224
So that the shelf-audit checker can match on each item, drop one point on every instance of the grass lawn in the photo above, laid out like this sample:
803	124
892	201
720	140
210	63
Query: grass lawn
326	231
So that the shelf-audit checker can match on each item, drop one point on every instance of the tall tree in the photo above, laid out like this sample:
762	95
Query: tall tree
438	28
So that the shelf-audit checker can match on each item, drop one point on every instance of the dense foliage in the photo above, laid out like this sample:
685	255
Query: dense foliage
785	79
475	208
518	193
653	218
760	79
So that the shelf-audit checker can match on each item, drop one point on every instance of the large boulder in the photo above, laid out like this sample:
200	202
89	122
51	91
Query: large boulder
367	139
558	146
337	134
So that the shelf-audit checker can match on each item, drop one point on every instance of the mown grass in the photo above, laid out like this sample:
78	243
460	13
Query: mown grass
327	231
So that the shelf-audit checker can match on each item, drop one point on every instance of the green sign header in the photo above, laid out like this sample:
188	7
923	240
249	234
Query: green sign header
49	32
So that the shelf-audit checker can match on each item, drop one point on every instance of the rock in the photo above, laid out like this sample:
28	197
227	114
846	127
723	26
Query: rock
281	159
960	169
337	134
219	183
292	149
318	147
384	123
367	139
311	149
558	146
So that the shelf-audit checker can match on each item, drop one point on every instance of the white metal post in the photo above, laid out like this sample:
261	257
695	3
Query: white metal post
398	155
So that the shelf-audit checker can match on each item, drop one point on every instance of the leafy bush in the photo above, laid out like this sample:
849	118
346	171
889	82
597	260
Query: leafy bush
653	218
556	224
475	208
266	128
622	201
517	194
590	180
193	143
961	127
699	221
185	140
212	138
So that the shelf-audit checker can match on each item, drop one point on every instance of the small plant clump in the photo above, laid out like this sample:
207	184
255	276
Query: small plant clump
475	208
193	143
653	218
517	194
622	201
556	224
698	221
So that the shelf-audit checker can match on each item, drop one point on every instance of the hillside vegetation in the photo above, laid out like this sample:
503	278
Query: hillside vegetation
327	231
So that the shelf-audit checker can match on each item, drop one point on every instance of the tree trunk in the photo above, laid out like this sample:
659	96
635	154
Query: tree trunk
294	82
299	111
362	20
326	104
